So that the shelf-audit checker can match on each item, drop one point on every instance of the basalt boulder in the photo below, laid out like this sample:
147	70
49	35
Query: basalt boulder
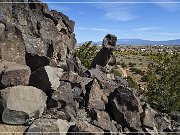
20	104
126	108
50	126
105	57
46	78
13	74
97	98
103	121
62	97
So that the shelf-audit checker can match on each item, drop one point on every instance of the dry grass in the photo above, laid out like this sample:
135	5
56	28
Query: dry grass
141	62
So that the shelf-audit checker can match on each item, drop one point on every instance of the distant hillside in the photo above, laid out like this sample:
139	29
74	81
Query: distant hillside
147	42
143	42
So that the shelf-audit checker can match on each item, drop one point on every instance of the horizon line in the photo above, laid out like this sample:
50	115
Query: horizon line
130	39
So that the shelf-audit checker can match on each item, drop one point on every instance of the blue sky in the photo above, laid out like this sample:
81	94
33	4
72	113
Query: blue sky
153	21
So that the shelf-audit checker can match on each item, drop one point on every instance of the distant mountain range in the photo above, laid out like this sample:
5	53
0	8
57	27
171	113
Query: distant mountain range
143	42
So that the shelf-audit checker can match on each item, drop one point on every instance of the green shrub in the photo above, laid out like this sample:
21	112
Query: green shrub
132	83
86	53
163	83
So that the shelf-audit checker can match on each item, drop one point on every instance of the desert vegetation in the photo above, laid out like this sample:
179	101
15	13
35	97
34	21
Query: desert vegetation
163	86
86	53
153	74
157	73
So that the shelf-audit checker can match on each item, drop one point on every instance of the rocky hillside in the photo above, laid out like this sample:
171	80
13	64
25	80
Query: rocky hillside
44	87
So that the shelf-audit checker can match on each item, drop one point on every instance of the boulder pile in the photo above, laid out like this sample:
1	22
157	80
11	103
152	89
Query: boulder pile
44	87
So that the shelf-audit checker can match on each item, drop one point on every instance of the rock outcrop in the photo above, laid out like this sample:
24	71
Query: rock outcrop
105	57
44	87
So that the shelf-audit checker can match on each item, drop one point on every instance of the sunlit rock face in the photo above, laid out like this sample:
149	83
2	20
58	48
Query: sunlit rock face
33	35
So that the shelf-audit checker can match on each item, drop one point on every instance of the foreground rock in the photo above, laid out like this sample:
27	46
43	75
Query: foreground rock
107	84
126	108
12	129
97	98
62	97
147	119
46	78
50	126
83	127
103	121
20	104
13	74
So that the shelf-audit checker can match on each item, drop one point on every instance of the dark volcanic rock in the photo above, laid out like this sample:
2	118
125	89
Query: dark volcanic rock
105	56
32	29
50	126
55	113
175	116
105	82
97	98
103	121
62	96
74	78
2	28
12	46
162	122
71	77
120	80
126	108
46	78
83	127
13	74
109	41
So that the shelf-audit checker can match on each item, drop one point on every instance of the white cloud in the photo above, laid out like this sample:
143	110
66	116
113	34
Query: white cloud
127	11
118	11
120	14
146	28
155	31
170	5
93	29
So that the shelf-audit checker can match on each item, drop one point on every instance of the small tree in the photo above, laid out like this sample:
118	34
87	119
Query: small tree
163	83
86	53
